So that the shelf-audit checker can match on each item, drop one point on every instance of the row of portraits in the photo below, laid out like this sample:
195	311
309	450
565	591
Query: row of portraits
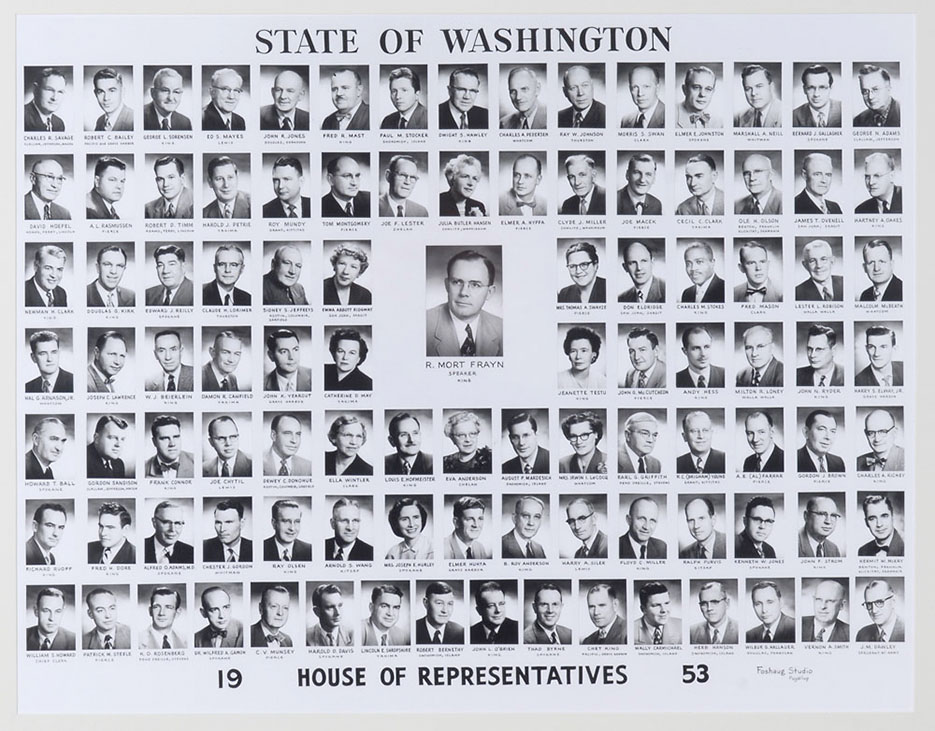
232	99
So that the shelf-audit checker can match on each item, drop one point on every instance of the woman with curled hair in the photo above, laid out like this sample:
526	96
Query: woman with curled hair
463	429
348	262
408	518
583	347
348	434
463	174
348	349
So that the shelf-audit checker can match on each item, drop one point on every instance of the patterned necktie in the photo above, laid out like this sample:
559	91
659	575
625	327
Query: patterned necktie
165	643
285	554
330	639
882	635
527	469
464	120
820	550
228	210
46	386
286	124
165	558
821	381
383	641
582	206
701	382
225	384
697	117
227	125
657	636
821	119
290	211
641	380
437	639
756	377
699	466
553	638
283	469
640	296
578	119
715	636
47	212
110	300
468	347
48	125
108	642
225	469
529	551
525	124
338	553
45	644
170	210
105	556
767	635
349	208
231	558
827	296
820	637
167	298
822	464
170	385
640	121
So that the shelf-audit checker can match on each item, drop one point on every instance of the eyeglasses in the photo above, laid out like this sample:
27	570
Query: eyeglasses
755	519
583	437
877	603
873	433
60	179
580	267
472	284
826	516
710	603
579	519
228	90
465	90
407	176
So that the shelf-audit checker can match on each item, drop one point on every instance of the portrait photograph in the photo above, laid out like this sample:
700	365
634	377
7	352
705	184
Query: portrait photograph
168	274
641	355
162	617
884	516
170	195
343	98
702	523
171	367
288	275
289	534
578	270
878	354
584	451
759	441
768	615
168	444
346	262
758	183
641	89
398	185
883	610
346	185
48	271
758	359
289	93
48	99
825	609
523	91
287	359
412	442
170	528
463	97
818	89
548	612
471	435
759	277
54	536
643	276
111	447
289	450
656	612
112	360
880	262
526	527
409	529
705	178
331	608
108	194
875	93
754	536
582	183
819	184
168	99
821	276
347	349
226	534
704	437
602	612
522	184
703	355
646	188
705	268
275	615
440	612
474	535
821	357
112	273
464	182
757	95
879	190
403	97
222	266
823	534
715	620
644	434
227	444
104	605
287	194
221	616
584	89
823	441
387	613
702	100
109	99
884	432
50	612
226	186
581	363
587	526
350	432
51	188
225	358
524	441
225	98
47	359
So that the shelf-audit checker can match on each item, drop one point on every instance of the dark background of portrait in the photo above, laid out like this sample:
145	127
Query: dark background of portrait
244	181
130	203
773	246
124	608
625	104
601	176
600	366
364	245
236	592
567	543
186	105
718	106
657	246
264	527
66	355
784	529
324	105
148	449
585	625
30	73
841	347
837	191
838	91
268	75
840	444
129	452
305	346
422	191
368	450
366	173
740	359
429	438
460	613
723	175
562	276
309	275
436	262
662	450
150	278
860	276
350	617
786	586
682	245
505	105
675	597
740	100
384	105
565	446
244	421
208	504
542	422
264	191
152	367
481	100
70	545
406	608
29	268
130	274
839	536
482	192
245	106
861	359
567	617
69	616
142	620
743	449
721	518
243	371
294	626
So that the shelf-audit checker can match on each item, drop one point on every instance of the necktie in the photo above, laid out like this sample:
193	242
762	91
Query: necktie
582	206
759	551
639	295
170	467
640	120
108	642
290	211
286	124
47	212
330	639
469	553
821	119
820	550
283	469
47	475
228	210
170	210
884	207
756	294
639	208
231	558
105	556
701	382
46	386
879	118
272	640
529	551
657	636
821	381
822	464
50	560
45	644
290	295
578	119
227	125
699	466
227	300
702	551
756	377
170	385
464	120
383	642
759	463
285	554
165	125
225	384
827	296
407	467
108	468
468	347
697	117
167	298
715	636
165	558
704	207
225	469
641	380
553	638
882	635
399	211
107	125
217	637
642	467
582	552
642	551
525	124
402	122
527	469
437	639
758	119
110	300
165	643
756	206
820	637
887	381
48	124
109	385
602	633
349	208
338	553
767	635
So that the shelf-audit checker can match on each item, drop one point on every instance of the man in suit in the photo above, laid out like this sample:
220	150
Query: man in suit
281	284
581	518
522	199
288	179
820	348
819	110
170	462
166	94
588	199
758	89
815	455
634	199
775	625
287	376
829	599
402	174
468	515
48	93
698	91
218	373
174	288
878	517
760	432
818	259
701	520
346	544
437	626
274	613
759	517
282	459
763	198
701	178
879	176
42	288
107	633
524	87
884	455
289	88
110	177
48	443
346	199
461	110
328	604
44	352
223	291
656	626
817	172
700	458
351	111
165	546
638	260
649	370
880	603
461	326
108	93
878	266
764	370
494	627
463	174
585	111
875	88
164	605
640	432
224	438
882	370
47	178
108	357
229	545
381	628
604	613
821	518
113	546
175	197
103	453
527	519
285	544
754	265
700	372
406	96
173	375
222	630
105	291
547	607
225	91
48	635
531	458
48	525
229	201
638	541
644	82
706	286
405	436
583	262
717	628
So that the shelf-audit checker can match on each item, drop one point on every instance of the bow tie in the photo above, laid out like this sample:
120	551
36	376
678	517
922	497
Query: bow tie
272	638
218	632
170	467
342	117
703	116
758	290
872	461
885	549
520	204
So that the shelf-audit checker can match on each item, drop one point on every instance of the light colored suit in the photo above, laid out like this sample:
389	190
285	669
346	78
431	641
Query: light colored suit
441	339
412	209
671	632
121	638
453	550
301	467
656	380
773	116
729	633
772	293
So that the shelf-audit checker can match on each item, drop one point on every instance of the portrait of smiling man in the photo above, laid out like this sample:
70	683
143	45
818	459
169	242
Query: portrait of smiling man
175	289
49	88
110	178
175	197
224	181
437	626
520	542
46	179
697	430
288	90
698	89
166	94
461	110
347	95
819	109
225	89
589	198
818	174
585	111
531	457
820	430
547	604
639	259
644	83
230	461
45	353
634	199
524	86
760	92
110	263
818	260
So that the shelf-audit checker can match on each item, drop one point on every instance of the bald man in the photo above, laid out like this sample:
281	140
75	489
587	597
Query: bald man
284	113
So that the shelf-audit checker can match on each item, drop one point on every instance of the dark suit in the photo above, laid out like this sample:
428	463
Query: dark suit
596	117
871	633
209	381
685	464
241	207
64	383
897	547
808	291
33	299
56	212
804	376
452	634
269	119
684	380
598	548
694	550
870	205
785	631
616	635
34	469
598	294
123	123
182	553
507	634
866	377
301	551
771	376
213	551
417	120
477	118
840	633
126	554
184	296
185	380
96	469
32	120
358	467
510	548
125	297
234	637
805	205
274	208
212	121
34	555
258	637
64	640
360	552
360	120
744	547
598	206
178	122
775	463
421	465
448	207
865	118
360	204
626	467
95	206
540	466
892	293
714	292
655	548
186	468
652	206
211	297
804	462
698	634
656	293
356	296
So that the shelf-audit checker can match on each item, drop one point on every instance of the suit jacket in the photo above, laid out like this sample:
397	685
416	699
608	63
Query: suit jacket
58	213
258	637
125	297
417	120
358	467
535	635
785	631
395	636
895	461
625	466
616	635
598	294
301	467
413	210
510	548
540	466
360	205
181	554
870	633
775	463
802	116
241	207
773	117
213	551
186	380
184	296
892	293
121	639
209	381
33	299
569	465
441	339
184	206
698	633
719	550
685	464
598	206
652	206
772	294
656	293
770	377
357	295
123	123
65	383
655	548
657	121
805	548
596	117
714	292
656	380
95	206
421	465
303	380
34	469
477	117
34	555
805	205
448	207
360	120
691	207
866	377
317	637
804	462
808	291
897	547
243	467
870	205
178	122
684	380
509	206
514	120
269	120
840	633
126	554
211	120
64	640
453	633
274	208
301	551
210	297
598	548
671	632
95	466
804	377
507	634
186	466
360	552
453	550
32	122
234	636
865	118
151	639
746	207
745	548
